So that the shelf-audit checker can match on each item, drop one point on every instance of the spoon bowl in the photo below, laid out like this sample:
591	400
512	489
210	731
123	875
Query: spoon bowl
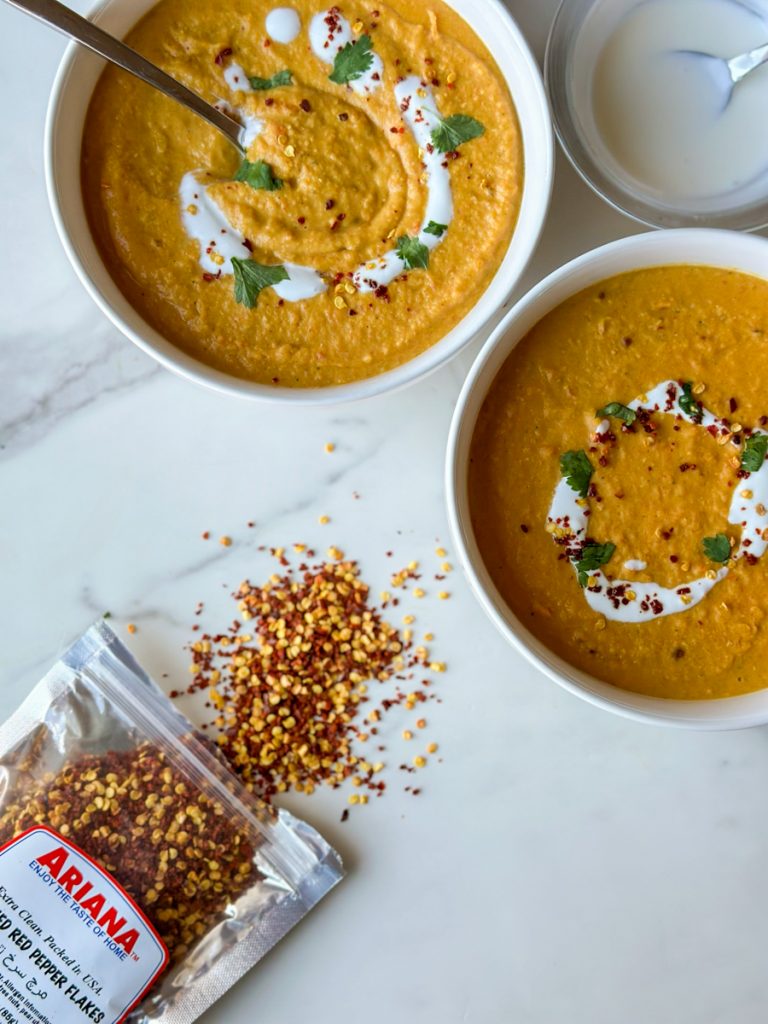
724	74
714	76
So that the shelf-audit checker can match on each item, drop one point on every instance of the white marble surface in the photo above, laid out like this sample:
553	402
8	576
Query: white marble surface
562	865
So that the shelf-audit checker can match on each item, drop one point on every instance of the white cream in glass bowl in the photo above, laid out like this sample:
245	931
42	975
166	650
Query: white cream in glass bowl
651	124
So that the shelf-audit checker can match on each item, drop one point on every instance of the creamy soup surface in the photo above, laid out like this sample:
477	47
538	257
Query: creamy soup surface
380	192
618	482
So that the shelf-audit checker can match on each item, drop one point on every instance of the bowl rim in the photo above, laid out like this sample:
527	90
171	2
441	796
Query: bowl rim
737	712
536	199
641	210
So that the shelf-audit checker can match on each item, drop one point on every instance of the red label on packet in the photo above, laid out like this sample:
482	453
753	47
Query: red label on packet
74	946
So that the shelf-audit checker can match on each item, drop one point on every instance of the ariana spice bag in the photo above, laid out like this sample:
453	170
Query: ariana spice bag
138	878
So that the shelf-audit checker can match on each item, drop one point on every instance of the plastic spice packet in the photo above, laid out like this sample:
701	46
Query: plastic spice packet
139	880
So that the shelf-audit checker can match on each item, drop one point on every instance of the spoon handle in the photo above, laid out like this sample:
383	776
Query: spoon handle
55	14
741	66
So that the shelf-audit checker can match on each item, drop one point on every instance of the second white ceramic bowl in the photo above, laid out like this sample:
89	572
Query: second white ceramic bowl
72	89
698	246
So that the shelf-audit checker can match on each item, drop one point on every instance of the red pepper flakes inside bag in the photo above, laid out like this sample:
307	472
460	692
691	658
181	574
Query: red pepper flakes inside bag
168	845
99	760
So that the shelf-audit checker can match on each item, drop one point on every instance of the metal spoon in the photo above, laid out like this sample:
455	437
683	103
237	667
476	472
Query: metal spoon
728	73
85	32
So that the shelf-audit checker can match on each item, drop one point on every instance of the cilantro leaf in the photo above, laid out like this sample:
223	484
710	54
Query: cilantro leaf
577	470
433	228
755	449
619	411
413	253
717	548
252	278
352	61
281	78
258	175
453	130
688	403
592	557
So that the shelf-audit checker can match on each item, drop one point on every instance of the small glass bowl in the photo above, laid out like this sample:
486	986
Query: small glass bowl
579	32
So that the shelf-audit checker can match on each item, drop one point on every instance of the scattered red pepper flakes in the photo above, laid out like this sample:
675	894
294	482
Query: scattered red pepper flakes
401	577
289	681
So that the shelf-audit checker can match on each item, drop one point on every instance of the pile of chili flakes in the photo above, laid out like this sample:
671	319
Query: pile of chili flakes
302	679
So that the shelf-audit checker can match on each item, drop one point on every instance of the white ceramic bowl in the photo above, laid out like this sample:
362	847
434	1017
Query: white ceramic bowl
700	246
71	93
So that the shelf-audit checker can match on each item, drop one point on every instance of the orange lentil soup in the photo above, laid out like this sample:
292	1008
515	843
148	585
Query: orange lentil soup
380	192
618	482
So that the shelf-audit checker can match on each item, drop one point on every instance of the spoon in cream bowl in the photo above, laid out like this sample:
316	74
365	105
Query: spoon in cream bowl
71	24
726	74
